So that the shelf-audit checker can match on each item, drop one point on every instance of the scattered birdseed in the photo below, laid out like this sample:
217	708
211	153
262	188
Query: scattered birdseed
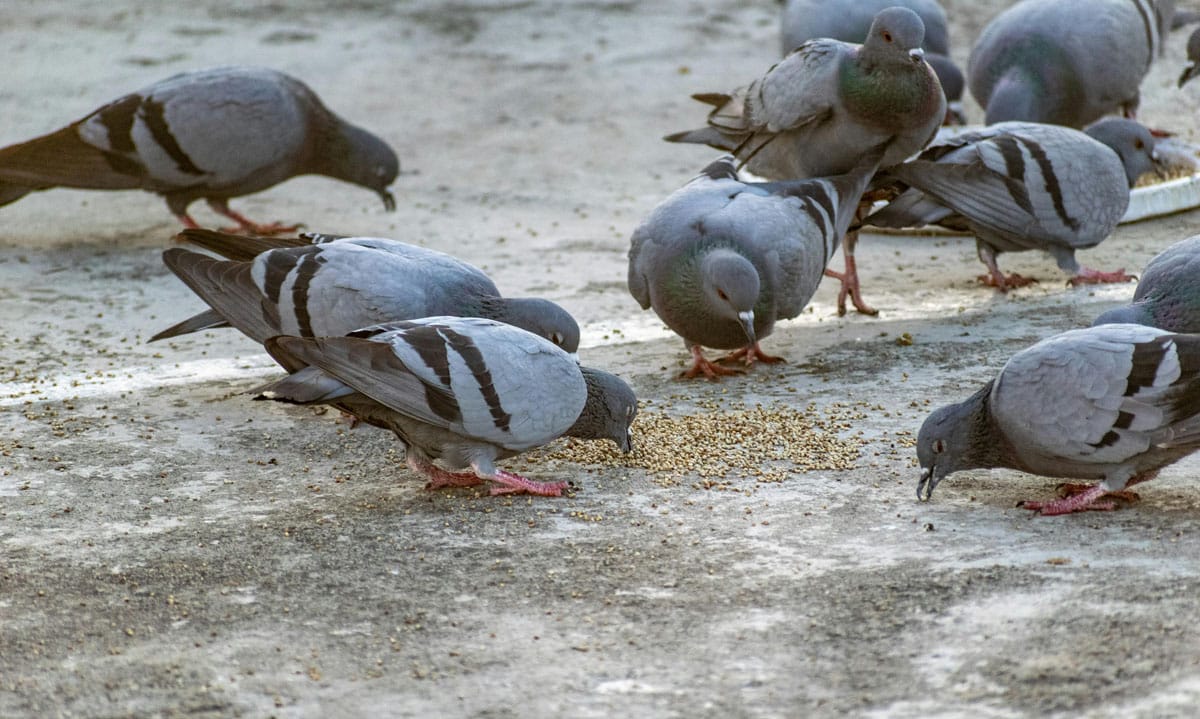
717	444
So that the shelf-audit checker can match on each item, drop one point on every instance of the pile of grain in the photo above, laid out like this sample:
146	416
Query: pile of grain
764	444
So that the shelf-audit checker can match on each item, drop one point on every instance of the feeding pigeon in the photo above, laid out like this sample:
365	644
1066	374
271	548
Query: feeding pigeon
462	391
850	21
1114	403
343	284
819	110
1067	62
1168	294
1025	186
214	134
721	260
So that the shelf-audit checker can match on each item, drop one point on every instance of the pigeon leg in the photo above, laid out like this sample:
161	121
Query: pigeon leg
516	484
1070	489
751	353
700	365
1089	276
186	220
440	478
996	278
849	280
246	225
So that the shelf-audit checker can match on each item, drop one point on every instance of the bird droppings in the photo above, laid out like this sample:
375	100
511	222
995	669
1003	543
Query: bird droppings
719	447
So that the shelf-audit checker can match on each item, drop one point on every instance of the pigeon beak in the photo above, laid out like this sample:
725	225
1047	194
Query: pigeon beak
1188	73
627	445
926	484
917	54
747	320
389	202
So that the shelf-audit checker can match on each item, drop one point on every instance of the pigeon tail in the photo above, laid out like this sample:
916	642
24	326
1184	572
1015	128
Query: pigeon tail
240	248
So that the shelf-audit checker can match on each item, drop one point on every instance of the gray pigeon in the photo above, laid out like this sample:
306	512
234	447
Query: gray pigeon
1193	53
1025	186
721	260
340	285
1168	295
1114	403
462	391
850	21
213	134
1067	62
819	110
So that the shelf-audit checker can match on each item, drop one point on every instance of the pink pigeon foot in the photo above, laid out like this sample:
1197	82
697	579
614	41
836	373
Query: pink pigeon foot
1088	276
1004	282
1082	498
751	353
440	478
1081	502
700	365
516	484
248	226
849	280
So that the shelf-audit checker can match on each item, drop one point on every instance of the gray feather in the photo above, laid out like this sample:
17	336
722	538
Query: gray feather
1066	62
213	134
824	106
1168	294
719	247
1113	403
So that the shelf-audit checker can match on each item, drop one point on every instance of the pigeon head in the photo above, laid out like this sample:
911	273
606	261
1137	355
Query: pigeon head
953	438
363	159
1132	142
541	317
896	36
609	411
730	286
1193	53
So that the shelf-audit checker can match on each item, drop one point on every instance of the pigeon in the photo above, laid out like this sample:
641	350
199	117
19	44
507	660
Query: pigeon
819	110
850	21
1193	53
1168	295
1024	186
342	284
720	260
1114	403
461	391
213	134
1067	62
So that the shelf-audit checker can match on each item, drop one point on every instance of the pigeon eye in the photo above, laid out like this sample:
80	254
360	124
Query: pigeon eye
722	295
556	338
1139	144
938	446
887	36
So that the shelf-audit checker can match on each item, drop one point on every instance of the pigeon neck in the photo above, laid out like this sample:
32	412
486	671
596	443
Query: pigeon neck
888	92
608	411
982	441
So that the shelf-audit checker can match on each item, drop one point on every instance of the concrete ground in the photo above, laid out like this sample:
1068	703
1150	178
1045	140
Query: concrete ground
170	548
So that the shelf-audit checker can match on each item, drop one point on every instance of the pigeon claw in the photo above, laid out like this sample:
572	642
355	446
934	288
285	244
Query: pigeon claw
751	354
702	366
1005	282
516	484
1095	277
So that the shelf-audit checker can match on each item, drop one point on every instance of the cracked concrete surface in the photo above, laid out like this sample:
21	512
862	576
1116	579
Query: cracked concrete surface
170	548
